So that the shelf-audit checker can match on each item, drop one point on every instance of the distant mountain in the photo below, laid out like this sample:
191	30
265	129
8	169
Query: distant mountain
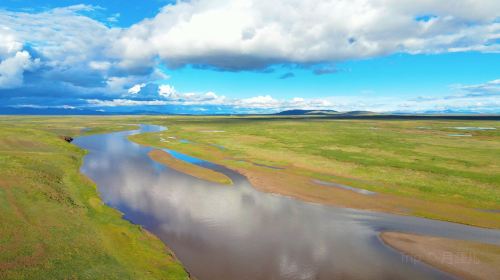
145	112
324	112
357	113
306	112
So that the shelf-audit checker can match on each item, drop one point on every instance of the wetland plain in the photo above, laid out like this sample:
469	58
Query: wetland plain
298	198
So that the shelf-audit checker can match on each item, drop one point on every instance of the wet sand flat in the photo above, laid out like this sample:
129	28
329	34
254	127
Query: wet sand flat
466	259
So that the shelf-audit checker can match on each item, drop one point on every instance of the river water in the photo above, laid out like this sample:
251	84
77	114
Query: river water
236	232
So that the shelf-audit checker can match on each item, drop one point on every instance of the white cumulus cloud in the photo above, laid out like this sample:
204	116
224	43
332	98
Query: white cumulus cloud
168	92
189	98
245	35
249	34
80	55
136	88
478	98
13	60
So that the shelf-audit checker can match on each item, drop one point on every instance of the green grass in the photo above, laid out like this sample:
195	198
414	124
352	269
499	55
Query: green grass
53	224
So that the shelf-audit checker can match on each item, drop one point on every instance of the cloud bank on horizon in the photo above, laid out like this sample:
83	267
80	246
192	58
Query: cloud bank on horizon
68	58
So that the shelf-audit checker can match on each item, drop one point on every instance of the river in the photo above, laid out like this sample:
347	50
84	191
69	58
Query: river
237	232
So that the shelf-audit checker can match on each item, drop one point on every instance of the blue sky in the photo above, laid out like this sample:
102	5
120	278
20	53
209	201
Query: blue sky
249	56
126	12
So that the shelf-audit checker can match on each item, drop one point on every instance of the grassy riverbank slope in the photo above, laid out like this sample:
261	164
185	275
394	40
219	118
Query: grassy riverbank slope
53	225
439	169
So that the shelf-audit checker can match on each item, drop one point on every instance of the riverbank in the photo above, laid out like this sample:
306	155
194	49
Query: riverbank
53	223
465	259
289	183
188	168
413	171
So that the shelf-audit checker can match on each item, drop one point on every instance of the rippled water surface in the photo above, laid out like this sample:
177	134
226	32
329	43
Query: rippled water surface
237	232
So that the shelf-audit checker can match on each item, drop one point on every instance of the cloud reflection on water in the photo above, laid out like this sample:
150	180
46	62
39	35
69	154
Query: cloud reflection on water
237	232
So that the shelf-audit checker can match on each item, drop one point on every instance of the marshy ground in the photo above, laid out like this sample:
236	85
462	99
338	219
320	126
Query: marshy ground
414	167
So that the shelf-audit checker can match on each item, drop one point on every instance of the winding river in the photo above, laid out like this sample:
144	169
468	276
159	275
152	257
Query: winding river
237	232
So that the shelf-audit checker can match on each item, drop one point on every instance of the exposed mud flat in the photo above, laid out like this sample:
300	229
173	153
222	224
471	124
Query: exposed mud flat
469	260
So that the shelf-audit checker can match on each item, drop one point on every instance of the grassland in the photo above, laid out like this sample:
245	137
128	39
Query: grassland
53	225
415	167
188	168
466	259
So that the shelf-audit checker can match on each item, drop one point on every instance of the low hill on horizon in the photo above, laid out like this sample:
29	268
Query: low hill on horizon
306	112
323	112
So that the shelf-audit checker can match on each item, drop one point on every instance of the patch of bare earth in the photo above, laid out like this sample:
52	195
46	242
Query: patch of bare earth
466	259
